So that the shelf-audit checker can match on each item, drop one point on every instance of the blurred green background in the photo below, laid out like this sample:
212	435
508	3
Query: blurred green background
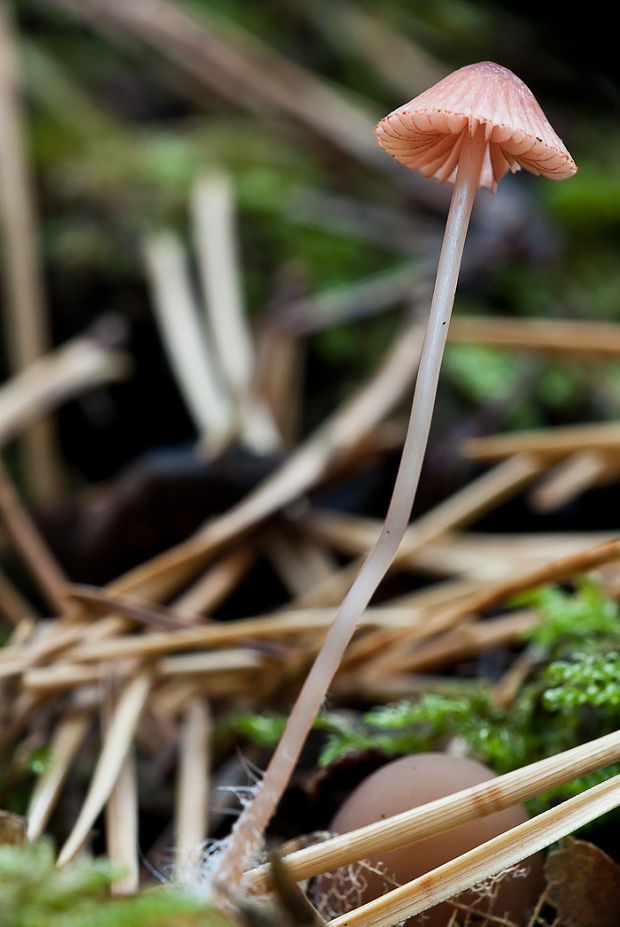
129	104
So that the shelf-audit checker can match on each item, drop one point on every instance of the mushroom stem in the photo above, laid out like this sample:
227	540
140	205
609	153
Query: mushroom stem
249	826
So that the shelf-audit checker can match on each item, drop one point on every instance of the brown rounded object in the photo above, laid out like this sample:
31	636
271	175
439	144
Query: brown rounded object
414	780
427	133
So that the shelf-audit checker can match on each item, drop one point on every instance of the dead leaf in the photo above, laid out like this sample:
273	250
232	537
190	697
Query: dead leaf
583	885
12	828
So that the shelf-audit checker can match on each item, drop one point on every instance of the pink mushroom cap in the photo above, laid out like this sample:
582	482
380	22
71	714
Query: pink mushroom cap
427	133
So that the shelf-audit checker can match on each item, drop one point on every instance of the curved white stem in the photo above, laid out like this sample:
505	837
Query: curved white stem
256	816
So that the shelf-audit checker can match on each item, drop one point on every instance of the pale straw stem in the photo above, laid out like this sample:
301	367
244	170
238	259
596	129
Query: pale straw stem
484	861
255	817
189	350
118	738
444	814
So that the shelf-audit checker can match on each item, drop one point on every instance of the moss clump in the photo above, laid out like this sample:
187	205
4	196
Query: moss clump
34	893
572	695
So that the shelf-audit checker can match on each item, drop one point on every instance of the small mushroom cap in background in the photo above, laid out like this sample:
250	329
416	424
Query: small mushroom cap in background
411	781
427	133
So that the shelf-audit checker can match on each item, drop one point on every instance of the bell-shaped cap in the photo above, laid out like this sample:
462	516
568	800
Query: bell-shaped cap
427	133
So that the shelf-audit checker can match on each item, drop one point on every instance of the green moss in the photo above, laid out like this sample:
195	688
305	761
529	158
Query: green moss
571	696
587	679
479	371
34	893
570	620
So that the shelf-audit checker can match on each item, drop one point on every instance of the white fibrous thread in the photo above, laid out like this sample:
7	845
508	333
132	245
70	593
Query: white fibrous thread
343	890
199	871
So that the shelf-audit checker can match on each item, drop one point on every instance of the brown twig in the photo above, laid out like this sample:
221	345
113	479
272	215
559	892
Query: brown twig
28	541
14	608
101	603
280	368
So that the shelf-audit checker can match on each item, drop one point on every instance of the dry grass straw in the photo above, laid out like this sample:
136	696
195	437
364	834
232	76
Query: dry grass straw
419	606
213	359
220	275
59	677
458	510
212	356
280	370
65	742
401	622
27	324
161	576
218	263
24	631
309	463
119	735
454	602
468	640
29	543
570	477
118	614
121	807
551	444
274	626
101	644
485	861
554	336
449	812
193	785
299	562
494	556
186	340
68	371
557	571
475	554
14	608
216	583
353	300
232	665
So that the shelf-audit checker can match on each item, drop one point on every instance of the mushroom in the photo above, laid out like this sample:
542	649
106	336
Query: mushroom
408	782
470	128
